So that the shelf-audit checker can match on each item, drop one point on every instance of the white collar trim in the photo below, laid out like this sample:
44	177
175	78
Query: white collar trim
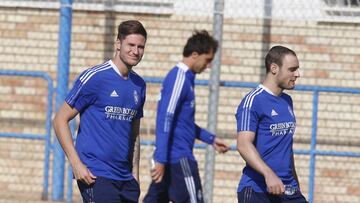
266	89
115	68
182	66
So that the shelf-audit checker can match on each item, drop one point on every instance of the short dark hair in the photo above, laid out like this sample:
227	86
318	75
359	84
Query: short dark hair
200	42
130	27
276	55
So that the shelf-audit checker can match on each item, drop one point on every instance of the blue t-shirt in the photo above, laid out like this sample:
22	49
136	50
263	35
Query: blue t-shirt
272	120
176	130
107	104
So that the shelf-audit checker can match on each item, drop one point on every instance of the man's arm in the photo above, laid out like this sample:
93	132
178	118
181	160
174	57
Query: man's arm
252	157
294	170
170	99
136	150
63	134
207	137
220	145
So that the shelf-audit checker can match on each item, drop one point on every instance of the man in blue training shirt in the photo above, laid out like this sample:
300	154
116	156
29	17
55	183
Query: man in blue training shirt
175	174
109	98
266	125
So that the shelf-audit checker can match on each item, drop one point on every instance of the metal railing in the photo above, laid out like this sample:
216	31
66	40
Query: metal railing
313	152
47	135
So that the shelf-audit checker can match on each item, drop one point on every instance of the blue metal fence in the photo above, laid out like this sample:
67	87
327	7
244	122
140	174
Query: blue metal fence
313	152
47	135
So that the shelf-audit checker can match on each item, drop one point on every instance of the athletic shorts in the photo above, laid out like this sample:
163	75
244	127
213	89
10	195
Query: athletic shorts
180	184
110	191
248	195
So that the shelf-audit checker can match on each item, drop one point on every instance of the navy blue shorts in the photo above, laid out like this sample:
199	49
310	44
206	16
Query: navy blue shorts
248	195
180	184
110	191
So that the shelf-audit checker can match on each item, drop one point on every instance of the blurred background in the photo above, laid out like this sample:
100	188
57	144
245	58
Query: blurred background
45	44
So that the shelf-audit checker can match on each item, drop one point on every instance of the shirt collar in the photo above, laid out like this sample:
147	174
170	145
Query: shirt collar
115	68
182	66
266	89
187	70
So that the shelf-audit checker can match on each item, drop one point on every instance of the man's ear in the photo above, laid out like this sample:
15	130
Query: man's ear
117	44
194	55
274	68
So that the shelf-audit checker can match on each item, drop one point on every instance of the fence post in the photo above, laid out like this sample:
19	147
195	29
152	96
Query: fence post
313	145
62	84
213	101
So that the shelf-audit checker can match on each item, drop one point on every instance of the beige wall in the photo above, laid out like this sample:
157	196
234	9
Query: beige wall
329	55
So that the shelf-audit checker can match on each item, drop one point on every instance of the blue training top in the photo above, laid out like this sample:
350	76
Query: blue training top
108	104
176	130
272	119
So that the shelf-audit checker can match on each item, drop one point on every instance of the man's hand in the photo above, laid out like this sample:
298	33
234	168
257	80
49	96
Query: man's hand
157	173
83	174
274	185
220	146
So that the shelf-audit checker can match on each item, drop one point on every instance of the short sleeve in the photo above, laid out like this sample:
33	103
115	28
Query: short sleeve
247	118
83	93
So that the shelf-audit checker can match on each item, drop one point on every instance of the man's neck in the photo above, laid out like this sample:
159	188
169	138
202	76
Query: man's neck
272	86
123	69
188	61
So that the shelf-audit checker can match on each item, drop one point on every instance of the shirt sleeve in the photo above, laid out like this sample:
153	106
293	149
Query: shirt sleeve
83	93
169	101
247	117
204	135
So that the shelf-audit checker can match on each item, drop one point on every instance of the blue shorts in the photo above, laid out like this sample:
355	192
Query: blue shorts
180	184
108	190
248	195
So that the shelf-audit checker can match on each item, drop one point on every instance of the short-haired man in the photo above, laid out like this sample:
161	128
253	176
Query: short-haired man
109	98
175	175
266	125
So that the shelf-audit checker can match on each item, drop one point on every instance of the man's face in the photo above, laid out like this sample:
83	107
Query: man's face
288	72
131	49
202	61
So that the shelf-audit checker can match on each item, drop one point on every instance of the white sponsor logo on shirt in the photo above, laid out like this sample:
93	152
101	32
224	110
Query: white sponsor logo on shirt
284	128
120	113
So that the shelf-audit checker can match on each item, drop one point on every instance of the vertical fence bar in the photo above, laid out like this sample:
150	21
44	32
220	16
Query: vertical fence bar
313	145
62	84
69	192
213	100
45	191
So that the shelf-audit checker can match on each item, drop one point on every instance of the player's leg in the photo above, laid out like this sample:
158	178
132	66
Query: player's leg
185	184
158	192
129	191
103	190
248	195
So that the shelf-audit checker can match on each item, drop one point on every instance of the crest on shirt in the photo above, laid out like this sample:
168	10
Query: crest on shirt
136	97
291	111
